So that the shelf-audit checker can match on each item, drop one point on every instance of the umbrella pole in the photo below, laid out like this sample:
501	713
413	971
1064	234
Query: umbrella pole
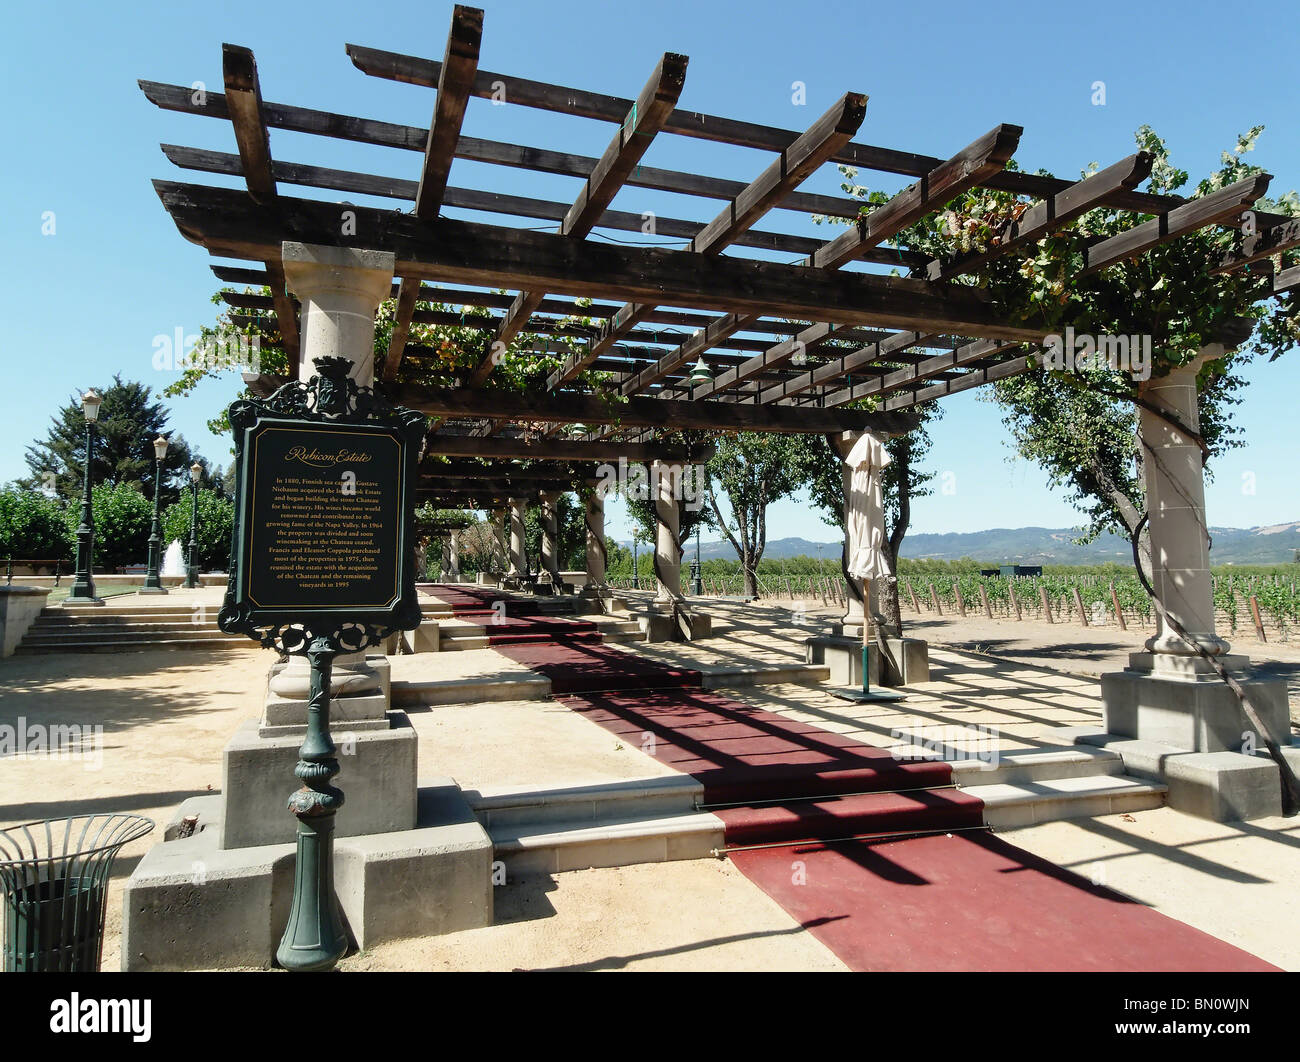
866	658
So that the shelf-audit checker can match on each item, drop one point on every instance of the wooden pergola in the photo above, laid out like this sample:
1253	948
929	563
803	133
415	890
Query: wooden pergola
763	328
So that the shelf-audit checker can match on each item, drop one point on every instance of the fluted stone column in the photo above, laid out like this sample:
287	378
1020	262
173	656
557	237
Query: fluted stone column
665	482
518	562
1170	697
498	524
550	567
594	518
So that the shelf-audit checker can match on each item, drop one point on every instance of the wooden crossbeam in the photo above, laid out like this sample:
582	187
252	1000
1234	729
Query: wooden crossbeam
397	67
970	167
975	378
638	411
1194	214
1052	213
912	374
785	173
646	117
533	448
243	99
1263	244
1286	279
230	225
455	80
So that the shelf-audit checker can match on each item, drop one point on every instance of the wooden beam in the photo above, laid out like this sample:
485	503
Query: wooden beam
1044	217
1265	243
532	448
968	168
975	378
228	224
638	411
244	105
455	80
1194	214
832	130
411	70
912	374
1286	279
621	156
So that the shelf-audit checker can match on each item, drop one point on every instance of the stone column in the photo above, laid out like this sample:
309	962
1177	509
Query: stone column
550	566
499	561
340	288
1191	730
518	564
665	482
454	555
1175	495
594	518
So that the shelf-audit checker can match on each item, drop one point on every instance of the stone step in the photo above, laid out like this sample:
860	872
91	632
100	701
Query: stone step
1009	806
46	627
505	807
132	634
130	645
764	675
413	693
550	848
1035	765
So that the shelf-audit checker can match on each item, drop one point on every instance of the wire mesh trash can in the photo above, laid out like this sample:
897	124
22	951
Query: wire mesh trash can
54	878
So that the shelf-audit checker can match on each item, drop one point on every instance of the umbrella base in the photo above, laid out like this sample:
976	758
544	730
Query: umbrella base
863	696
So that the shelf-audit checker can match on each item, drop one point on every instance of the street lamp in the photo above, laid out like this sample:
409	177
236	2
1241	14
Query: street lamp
636	575
152	577
82	591
192	555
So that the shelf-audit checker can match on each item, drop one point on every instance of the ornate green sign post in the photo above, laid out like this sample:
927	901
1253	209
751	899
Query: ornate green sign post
322	563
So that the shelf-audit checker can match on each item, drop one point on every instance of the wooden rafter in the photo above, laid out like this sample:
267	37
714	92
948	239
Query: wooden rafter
455	80
243	100
646	117
823	139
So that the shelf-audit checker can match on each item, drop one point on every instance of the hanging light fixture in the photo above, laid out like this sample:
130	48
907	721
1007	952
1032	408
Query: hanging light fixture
699	374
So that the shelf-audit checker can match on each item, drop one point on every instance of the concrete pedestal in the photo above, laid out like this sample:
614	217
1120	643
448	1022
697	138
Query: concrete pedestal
683	626
377	773
844	658
192	903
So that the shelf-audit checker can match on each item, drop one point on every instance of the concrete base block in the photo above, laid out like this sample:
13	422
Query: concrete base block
907	662
685	626
844	658
1222	786
191	904
377	775
426	638
487	579
1195	716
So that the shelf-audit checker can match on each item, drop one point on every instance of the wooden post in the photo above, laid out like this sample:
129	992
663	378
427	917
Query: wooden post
984	596
1078	600
1254	614
1015	600
1119	612
961	601
1047	605
934	600
912	594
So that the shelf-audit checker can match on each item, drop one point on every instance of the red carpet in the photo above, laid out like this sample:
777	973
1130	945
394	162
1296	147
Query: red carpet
959	901
973	902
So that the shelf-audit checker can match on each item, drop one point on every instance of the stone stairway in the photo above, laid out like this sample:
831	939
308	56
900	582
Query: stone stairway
117	628
544	829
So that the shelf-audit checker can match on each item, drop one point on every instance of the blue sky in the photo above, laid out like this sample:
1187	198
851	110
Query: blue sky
88	301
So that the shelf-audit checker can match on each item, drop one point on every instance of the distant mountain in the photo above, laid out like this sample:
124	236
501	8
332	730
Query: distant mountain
1040	545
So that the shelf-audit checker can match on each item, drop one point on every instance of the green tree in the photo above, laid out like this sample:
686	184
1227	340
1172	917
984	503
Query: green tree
129	421
33	526
212	531
123	517
752	469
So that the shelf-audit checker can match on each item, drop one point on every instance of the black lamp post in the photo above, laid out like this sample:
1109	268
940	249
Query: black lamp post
82	591
636	575
192	554
695	568
152	577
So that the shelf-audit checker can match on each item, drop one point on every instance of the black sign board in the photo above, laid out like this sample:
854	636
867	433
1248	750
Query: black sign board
324	516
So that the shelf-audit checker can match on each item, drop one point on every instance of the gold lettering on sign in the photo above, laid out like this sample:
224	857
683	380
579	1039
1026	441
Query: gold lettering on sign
309	455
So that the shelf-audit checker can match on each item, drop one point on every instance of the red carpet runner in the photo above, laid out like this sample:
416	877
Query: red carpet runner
964	900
